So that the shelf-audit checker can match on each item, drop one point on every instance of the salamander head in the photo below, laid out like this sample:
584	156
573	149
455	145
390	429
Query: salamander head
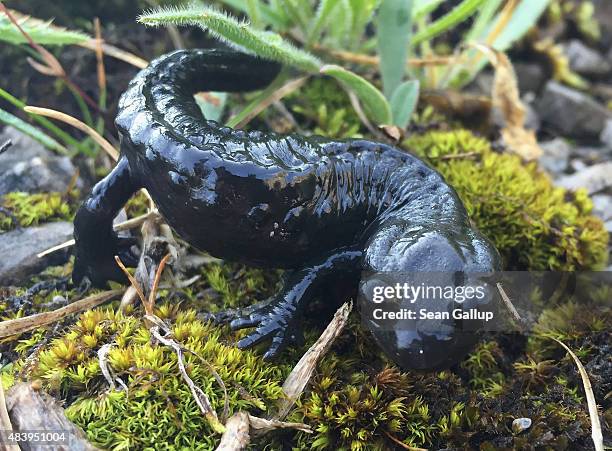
437	275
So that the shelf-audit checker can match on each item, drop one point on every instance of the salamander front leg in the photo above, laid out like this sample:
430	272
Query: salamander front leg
279	318
96	242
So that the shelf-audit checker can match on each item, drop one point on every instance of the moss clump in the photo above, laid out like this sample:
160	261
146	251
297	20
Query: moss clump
158	410
229	285
533	224
326	110
359	410
34	209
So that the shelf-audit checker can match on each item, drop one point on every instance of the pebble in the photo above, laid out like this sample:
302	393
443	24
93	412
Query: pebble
585	60
594	178
602	206
555	155
521	424
572	113
23	245
28	166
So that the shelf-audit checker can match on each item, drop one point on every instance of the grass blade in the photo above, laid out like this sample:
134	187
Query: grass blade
404	101
484	18
265	44
374	102
501	33
211	104
393	33
524	18
362	11
50	126
317	24
42	32
268	14
423	7
254	11
34	133
461	12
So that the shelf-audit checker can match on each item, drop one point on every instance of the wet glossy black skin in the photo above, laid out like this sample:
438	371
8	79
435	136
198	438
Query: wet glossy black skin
322	209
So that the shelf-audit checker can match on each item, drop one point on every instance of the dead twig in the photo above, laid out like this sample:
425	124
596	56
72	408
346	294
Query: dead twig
236	435
100	69
116	53
300	375
63	117
509	305
4	147
596	433
281	92
31	409
199	396
125	225
51	66
402	444
260	426
5	420
21	325
107	371
239	427
362	116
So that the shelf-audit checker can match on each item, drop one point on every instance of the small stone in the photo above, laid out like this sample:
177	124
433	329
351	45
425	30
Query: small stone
592	155
602	206
572	113
594	178
27	166
586	60
577	165
606	134
530	77
521	424
555	155
20	247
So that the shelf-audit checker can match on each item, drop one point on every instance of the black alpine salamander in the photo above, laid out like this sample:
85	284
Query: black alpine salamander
322	209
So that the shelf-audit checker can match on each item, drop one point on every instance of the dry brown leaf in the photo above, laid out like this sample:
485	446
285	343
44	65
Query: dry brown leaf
506	98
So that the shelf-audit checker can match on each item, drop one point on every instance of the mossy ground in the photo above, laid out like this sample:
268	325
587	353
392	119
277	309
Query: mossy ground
23	209
357	399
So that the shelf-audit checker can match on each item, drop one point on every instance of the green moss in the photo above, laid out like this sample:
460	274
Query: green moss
158	410
533	224
325	109
137	205
34	209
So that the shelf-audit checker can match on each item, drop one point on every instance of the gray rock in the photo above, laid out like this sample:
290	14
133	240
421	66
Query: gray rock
19	248
594	178
555	155
572	113
585	60
606	134
577	165
592	155
530	76
28	166
602	206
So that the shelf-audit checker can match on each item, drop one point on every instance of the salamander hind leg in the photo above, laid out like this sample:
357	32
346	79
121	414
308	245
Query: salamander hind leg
96	244
279	318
